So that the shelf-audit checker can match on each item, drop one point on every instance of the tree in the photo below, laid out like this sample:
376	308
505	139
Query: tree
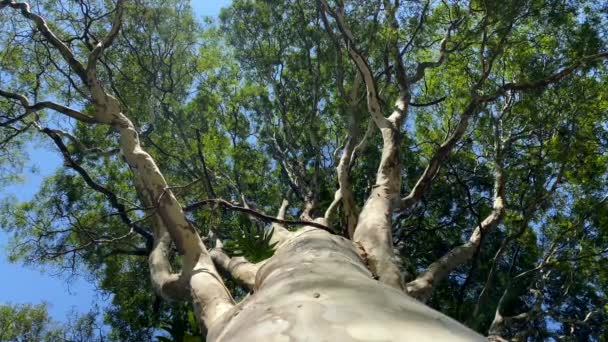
32	323
481	196
24	323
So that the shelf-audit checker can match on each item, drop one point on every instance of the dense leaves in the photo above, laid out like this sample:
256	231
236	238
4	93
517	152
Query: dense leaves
256	108
23	323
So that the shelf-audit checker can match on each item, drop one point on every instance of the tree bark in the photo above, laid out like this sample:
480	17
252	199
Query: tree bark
317	288
239	268
422	287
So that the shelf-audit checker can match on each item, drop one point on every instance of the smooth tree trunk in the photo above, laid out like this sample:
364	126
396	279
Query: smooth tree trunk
317	287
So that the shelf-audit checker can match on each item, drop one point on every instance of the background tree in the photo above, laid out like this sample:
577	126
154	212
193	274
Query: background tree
32	323
483	196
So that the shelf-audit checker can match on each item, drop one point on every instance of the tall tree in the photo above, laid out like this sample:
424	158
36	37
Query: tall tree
262	170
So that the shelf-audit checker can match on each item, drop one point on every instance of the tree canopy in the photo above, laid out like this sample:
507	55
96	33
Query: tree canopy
23	323
495	142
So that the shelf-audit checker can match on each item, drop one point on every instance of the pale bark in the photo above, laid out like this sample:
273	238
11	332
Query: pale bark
344	194
317	288
374	228
279	233
373	232
209	295
500	322
423	286
239	268
171	286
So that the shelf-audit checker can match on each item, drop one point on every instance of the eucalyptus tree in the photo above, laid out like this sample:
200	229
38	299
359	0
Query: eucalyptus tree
32	323
25	322
478	193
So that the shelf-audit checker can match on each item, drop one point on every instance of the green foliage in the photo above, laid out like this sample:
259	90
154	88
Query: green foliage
227	109
26	322
252	242
182	329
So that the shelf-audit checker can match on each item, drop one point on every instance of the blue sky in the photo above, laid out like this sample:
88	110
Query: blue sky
21	284
209	7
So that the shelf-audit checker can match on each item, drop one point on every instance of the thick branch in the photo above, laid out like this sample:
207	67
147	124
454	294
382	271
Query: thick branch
424	182
239	268
422	287
25	103
109	39
373	100
344	194
171	286
110	195
210	297
528	214
42	26
373	232
279	232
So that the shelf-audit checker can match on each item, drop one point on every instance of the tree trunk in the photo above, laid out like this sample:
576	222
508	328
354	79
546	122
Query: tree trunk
317	288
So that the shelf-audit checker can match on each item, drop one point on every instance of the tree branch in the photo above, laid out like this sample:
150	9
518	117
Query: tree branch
239	268
25	103
279	232
110	195
443	54
424	182
256	214
109	39
542	83
209	295
344	194
373	232
46	32
423	286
